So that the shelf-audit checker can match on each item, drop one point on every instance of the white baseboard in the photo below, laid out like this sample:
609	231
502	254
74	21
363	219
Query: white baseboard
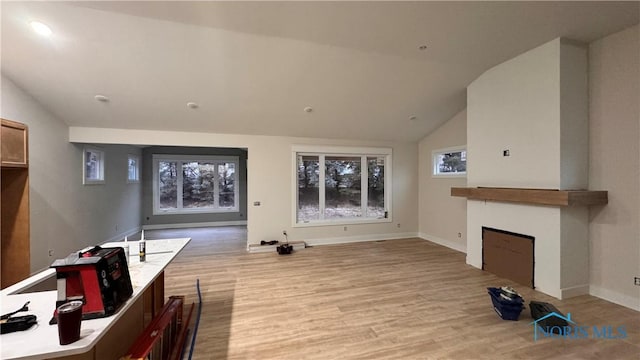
121	235
193	225
574	291
359	238
615	297
255	248
447	243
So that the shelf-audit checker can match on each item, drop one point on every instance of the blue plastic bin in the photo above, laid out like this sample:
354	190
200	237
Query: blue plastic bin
506	309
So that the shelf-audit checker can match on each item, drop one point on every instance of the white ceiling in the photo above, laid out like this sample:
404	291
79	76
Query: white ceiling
254	66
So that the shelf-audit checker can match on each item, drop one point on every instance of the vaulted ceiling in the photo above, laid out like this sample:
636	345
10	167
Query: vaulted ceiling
252	67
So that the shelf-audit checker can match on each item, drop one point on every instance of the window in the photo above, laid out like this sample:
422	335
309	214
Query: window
450	162
339	185
194	184
133	169
93	169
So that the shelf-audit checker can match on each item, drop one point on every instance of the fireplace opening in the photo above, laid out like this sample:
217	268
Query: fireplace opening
508	255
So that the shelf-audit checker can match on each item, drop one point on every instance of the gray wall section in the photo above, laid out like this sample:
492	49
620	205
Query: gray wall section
148	218
65	214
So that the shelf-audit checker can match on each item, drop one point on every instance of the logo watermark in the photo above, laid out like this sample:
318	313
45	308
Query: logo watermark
572	330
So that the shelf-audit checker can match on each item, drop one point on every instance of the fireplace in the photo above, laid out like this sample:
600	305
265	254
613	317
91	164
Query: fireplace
543	121
508	255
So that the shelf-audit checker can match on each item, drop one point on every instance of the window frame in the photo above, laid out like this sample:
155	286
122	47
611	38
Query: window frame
101	167
180	159
434	162
137	178
321	152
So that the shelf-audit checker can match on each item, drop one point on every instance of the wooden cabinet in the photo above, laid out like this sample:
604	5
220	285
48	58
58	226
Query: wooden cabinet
15	145
15	254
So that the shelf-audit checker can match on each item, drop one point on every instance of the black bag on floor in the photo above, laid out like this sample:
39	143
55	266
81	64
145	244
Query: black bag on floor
541	309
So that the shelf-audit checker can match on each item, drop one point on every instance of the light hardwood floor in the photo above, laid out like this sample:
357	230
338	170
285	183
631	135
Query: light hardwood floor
399	299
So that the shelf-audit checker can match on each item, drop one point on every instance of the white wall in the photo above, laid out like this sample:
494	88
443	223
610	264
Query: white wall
519	110
574	116
441	216
614	230
65	215
269	168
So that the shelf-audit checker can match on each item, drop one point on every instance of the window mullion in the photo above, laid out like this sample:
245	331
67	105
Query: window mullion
180	188
321	191
364	186
216	186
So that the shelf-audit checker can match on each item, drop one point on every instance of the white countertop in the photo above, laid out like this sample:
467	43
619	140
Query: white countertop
41	341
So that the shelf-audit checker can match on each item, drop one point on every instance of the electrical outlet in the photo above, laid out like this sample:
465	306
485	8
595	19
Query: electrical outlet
459	235
50	252
636	281
345	228
398	226
284	232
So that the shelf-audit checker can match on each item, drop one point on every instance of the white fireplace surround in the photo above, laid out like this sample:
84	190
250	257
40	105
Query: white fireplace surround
535	106
561	250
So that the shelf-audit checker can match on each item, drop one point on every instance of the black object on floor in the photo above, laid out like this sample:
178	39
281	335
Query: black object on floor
541	309
285	249
272	242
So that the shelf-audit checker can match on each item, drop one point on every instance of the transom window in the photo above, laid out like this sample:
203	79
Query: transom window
450	162
133	169
93	169
341	185
190	184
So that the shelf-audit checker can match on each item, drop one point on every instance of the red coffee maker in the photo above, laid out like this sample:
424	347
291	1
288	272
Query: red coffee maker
99	277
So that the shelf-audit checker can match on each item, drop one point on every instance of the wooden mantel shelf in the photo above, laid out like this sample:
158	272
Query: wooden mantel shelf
533	196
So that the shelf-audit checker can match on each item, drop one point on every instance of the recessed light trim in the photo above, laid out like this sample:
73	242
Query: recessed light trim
413	118
101	98
192	105
41	28
308	109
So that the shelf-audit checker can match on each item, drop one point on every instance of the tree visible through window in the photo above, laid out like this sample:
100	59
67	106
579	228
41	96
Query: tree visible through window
198	185
451	161
133	169
93	170
340	187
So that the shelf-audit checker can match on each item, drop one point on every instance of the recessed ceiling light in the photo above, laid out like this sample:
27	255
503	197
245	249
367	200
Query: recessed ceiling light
192	105
308	109
422	47
101	98
413	117
41	28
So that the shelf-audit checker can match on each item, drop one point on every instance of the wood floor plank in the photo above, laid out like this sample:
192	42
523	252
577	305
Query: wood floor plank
400	299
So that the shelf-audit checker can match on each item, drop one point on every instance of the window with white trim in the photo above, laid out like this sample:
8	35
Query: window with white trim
450	162
194	184
341	185
133	169
93	166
